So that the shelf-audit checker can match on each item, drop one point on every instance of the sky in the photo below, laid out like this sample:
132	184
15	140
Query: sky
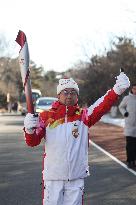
61	33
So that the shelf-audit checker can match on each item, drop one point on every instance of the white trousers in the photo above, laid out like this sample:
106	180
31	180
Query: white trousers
63	192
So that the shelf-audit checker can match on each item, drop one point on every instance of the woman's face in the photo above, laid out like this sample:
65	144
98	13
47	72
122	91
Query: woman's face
134	90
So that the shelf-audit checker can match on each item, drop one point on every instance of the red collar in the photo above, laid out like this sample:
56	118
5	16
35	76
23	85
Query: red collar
63	109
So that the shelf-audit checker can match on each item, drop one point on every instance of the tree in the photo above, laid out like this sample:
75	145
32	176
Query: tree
96	77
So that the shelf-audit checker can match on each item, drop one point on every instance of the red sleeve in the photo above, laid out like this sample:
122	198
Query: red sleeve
34	139
101	107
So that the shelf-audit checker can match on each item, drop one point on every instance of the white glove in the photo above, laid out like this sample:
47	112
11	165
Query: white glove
122	83
30	122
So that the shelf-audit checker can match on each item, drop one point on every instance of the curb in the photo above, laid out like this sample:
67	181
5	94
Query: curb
10	114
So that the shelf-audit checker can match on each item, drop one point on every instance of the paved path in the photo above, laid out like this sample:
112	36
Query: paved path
21	166
110	138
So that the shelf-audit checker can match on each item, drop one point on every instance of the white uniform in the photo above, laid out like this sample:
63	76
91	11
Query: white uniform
63	192
66	148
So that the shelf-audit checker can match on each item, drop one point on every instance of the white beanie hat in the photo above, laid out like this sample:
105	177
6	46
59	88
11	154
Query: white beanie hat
67	83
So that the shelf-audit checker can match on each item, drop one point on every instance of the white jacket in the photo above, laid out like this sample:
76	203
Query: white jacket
66	137
128	104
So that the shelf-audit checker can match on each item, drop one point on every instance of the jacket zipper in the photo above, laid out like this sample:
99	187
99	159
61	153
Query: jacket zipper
66	120
66	117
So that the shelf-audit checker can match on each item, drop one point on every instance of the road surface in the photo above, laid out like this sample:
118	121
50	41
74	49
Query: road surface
21	166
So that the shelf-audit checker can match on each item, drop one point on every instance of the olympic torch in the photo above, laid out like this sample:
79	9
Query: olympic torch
25	71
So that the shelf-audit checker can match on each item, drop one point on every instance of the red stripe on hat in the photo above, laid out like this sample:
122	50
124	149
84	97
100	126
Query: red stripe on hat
21	38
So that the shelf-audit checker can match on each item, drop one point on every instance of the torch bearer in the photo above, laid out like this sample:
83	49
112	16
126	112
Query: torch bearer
25	71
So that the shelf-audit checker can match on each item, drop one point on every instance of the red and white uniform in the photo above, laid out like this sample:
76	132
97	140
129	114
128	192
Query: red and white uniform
65	130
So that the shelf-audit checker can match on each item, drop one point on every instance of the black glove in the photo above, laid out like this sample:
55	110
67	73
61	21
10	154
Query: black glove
126	114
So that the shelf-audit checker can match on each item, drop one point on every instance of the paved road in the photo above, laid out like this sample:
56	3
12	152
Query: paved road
20	172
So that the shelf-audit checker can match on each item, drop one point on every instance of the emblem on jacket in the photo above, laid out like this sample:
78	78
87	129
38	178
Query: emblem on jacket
75	132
